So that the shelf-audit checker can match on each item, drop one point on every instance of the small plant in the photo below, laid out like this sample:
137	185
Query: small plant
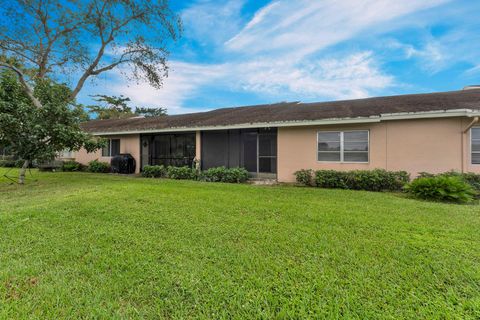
182	173
441	188
305	177
154	171
98	167
222	174
71	166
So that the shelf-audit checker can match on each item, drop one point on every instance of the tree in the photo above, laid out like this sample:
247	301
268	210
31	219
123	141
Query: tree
113	107
150	112
39	133
89	37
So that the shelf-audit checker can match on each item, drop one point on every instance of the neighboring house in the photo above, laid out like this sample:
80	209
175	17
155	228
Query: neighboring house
422	132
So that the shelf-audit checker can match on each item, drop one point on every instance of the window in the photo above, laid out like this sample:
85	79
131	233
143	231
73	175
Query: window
475	135
112	148
343	146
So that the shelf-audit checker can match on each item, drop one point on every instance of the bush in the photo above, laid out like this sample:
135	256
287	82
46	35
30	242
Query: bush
7	163
98	167
305	177
441	188
222	174
369	180
154	171
182	173
471	178
70	166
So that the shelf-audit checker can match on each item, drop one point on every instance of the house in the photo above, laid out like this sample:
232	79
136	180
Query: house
433	132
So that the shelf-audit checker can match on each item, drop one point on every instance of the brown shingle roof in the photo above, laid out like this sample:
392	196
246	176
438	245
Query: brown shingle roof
294	111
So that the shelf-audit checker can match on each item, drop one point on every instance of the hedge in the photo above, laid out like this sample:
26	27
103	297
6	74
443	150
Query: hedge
369	180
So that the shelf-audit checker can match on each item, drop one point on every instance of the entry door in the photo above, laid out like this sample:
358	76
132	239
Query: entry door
250	151
145	151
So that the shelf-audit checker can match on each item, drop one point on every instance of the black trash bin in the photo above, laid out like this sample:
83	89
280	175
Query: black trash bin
123	163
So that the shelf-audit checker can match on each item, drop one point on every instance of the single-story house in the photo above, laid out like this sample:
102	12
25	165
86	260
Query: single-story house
433	132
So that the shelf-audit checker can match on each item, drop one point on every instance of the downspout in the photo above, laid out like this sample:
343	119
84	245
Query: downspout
464	133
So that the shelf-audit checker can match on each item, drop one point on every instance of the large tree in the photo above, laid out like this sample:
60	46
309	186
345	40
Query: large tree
81	39
85	38
39	133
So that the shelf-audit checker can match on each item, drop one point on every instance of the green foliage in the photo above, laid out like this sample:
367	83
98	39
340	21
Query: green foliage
154	172
182	173
70	166
471	178
305	177
369	180
441	188
33	133
150	112
112	107
7	163
98	166
222	174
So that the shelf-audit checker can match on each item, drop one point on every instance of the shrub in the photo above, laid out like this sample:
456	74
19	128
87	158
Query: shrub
7	163
222	174
441	188
305	177
154	171
70	166
182	173
471	178
369	180
98	167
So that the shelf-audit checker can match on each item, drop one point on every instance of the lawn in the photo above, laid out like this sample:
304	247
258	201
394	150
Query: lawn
79	245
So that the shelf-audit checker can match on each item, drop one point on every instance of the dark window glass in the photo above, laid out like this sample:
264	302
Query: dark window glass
115	147
355	157
173	149
329	156
475	145
267	165
106	149
250	151
329	146
267	145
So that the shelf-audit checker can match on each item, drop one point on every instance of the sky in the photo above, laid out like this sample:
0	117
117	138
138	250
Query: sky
239	52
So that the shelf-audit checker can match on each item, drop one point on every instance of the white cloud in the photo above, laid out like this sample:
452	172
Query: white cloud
276	53
306	26
184	81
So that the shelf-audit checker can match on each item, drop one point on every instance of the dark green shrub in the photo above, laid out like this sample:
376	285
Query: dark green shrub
471	178
369	180
441	188
330	179
70	166
7	163
222	174
182	173
305	177
154	172
98	167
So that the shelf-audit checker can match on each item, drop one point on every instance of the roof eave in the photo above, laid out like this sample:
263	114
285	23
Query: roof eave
323	122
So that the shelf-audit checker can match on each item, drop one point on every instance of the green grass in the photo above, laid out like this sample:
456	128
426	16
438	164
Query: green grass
79	245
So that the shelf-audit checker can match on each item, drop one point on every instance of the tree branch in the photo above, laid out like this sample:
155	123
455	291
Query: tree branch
24	83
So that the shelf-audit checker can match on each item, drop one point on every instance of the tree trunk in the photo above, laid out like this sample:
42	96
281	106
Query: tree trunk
23	170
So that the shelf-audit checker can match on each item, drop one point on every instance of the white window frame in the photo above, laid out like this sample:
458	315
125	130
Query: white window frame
471	146
342	151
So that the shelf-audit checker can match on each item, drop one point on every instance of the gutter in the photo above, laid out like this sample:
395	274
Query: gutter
373	119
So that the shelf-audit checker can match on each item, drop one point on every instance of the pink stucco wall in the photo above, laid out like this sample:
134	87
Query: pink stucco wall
432	145
128	144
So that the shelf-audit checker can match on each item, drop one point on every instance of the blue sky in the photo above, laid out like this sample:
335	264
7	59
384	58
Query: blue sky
239	52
